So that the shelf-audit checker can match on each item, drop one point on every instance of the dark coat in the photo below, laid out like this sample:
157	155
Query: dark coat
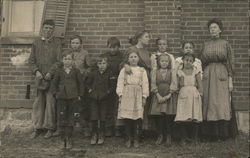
67	86
115	61
99	85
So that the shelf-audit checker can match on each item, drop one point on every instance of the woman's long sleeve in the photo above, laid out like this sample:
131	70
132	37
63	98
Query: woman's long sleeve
145	85
153	81
229	63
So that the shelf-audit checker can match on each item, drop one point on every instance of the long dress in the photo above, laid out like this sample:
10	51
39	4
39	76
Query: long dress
189	102
161	82
132	88
217	60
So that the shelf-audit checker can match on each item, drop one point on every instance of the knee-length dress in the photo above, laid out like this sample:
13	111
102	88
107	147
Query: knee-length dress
161	83
189	104
132	88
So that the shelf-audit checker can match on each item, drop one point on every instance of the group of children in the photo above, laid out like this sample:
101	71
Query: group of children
175	91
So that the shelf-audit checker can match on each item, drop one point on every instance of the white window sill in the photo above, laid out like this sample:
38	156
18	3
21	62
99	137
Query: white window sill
17	40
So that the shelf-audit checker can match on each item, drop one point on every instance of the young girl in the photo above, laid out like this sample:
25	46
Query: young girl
162	109
132	89
189	105
68	89
188	47
100	90
162	49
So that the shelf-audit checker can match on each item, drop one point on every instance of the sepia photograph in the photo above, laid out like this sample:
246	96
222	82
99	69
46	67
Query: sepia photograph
124	78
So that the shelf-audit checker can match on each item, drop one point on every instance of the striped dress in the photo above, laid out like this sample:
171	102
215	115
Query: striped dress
217	60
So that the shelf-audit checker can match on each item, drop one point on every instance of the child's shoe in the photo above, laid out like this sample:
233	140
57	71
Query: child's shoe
34	134
136	143
93	139
118	133
100	139
168	141
69	144
87	133
129	143
56	133
159	140
49	134
63	144
108	132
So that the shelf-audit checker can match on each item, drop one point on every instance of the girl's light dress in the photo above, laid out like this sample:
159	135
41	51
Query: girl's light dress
189	104
132	88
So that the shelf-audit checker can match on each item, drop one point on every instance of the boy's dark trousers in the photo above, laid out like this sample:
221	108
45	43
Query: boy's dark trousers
98	112
111	121
66	110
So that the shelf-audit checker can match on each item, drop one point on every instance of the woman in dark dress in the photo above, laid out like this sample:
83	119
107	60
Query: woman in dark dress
216	58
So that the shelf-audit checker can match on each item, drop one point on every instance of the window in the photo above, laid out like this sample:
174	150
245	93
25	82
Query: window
21	18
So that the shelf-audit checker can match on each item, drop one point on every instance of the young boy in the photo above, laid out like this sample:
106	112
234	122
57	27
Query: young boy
45	57
68	89
99	88
115	57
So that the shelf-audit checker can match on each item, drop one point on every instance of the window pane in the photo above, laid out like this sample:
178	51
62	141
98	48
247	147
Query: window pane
38	15
22	16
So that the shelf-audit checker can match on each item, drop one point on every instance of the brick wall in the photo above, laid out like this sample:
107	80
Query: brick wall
162	19
176	20
96	21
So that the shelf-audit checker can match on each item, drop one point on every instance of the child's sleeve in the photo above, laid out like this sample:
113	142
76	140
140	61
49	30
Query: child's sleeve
120	82
180	78
153	61
178	63
198	65
199	82
154	87
172	61
80	83
174	81
55	83
89	81
145	84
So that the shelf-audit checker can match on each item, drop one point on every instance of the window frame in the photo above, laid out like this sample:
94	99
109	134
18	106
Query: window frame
8	37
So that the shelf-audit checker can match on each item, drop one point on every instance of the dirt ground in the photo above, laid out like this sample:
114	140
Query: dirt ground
20	146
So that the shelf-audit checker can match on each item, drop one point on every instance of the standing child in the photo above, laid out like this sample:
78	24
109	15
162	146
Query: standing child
67	88
133	90
162	45
162	109
82	62
188	47
115	58
45	58
99	88
189	106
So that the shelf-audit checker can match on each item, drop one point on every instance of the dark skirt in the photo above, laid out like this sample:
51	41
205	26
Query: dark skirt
221	129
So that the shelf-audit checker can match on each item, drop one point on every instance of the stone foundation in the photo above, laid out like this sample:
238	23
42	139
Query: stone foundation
15	120
19	120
